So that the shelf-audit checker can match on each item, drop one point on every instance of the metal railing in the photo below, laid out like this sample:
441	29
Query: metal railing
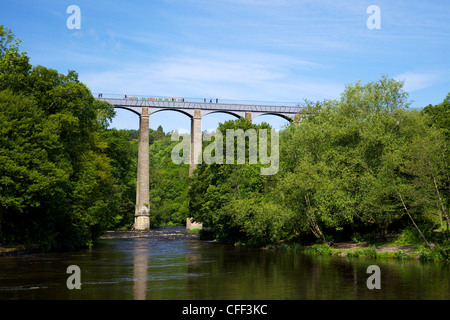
200	100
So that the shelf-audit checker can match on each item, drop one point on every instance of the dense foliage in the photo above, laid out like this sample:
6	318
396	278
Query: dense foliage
65	177
168	185
229	198
56	182
362	164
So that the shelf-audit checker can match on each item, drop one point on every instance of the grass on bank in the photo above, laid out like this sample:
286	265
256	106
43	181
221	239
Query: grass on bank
404	245
423	253
194	231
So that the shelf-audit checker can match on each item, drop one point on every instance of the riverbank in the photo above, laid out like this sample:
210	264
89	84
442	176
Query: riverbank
399	246
6	250
385	250
343	249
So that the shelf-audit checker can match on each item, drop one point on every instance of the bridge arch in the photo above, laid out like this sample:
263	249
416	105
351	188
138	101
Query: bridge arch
232	113
136	111
182	111
211	120
283	116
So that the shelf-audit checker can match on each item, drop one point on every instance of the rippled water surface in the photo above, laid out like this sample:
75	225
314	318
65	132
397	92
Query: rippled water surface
168	264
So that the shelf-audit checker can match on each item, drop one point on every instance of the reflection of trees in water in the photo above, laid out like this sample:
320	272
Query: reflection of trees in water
195	269
227	272
171	265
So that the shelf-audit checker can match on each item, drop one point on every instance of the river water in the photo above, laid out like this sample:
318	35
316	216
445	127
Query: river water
168	264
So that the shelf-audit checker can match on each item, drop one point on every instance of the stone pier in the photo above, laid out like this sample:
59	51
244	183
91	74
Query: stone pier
297	119
196	154
142	213
196	141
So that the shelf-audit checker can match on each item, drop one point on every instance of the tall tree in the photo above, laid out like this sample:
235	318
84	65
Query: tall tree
220	192
56	182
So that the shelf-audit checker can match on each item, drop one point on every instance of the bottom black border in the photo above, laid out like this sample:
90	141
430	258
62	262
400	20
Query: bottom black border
225	309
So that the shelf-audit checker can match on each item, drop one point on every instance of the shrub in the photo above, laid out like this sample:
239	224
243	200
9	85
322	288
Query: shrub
370	252
401	255
353	254
319	249
426	254
438	253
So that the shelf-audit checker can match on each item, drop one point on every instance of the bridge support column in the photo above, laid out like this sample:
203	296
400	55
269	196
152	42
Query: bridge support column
248	115
297	119
196	157
196	141
142	213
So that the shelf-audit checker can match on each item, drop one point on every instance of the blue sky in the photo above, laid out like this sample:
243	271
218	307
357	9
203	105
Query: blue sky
279	50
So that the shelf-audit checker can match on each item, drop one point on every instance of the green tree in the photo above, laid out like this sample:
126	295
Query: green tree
356	161
168	185
57	185
14	66
158	134
219	194
34	177
435	165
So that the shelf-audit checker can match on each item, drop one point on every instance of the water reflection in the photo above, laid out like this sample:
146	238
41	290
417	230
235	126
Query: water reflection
167	264
140	266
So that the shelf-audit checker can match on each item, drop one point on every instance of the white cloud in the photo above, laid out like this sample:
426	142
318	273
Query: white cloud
416	80
210	74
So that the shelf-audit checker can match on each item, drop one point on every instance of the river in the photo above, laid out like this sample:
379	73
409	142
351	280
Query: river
168	264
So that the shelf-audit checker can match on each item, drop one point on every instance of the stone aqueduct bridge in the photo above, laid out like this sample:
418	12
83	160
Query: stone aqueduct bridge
194	110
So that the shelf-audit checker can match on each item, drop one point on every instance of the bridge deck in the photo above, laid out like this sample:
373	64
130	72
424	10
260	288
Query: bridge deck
206	107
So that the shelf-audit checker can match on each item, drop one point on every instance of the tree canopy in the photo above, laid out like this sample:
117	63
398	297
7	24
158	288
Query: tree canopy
361	163
56	181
